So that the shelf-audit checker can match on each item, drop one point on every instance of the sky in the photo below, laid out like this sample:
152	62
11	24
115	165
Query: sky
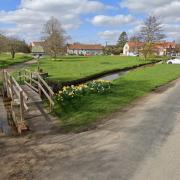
88	21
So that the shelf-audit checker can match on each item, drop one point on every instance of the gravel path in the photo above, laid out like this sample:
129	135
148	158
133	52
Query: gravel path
19	66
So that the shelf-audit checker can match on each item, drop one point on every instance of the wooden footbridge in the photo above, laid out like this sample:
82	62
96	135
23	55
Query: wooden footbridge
30	89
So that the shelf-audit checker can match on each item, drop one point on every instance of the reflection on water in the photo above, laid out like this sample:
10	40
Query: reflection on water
117	75
113	76
6	123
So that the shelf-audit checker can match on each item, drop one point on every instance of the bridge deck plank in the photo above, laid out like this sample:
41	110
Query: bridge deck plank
33	96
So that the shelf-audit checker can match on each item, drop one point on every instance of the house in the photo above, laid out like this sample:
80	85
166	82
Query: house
177	50
165	48
132	47
160	48
37	48
84	49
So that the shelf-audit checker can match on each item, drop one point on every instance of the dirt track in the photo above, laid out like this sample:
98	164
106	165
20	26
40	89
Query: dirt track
131	144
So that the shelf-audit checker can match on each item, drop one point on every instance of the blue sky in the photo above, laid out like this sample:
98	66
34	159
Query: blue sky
87	21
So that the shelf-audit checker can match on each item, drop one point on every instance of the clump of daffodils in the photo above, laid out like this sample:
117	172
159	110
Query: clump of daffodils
99	86
68	93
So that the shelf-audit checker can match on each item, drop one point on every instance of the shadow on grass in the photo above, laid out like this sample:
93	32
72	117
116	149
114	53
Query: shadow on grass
85	114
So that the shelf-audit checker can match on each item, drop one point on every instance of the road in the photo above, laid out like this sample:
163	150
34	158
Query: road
140	142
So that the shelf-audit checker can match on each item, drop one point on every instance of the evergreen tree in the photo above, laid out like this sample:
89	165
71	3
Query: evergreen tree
123	38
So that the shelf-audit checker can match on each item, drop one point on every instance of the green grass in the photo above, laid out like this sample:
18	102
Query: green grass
6	60
126	89
73	67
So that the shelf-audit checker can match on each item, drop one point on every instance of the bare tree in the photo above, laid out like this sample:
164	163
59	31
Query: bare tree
152	30
150	33
135	38
177	49
54	37
13	46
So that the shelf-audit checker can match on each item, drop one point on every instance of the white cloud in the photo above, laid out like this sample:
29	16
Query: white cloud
102	20
166	10
34	14
143	5
73	6
173	31
169	12
109	35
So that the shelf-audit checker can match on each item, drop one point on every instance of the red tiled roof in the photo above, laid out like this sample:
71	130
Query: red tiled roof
85	46
166	44
134	44
158	45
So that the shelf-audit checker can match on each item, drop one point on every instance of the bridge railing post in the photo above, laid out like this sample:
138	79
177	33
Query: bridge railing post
50	104
11	88
20	77
39	83
21	107
6	82
4	79
30	77
24	75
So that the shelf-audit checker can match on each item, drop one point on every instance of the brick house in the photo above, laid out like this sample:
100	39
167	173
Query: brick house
160	48
84	49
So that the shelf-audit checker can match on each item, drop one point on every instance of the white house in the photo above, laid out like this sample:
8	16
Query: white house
131	48
84	49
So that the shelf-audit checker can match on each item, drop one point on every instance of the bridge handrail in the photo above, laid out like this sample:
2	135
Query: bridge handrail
35	77
18	97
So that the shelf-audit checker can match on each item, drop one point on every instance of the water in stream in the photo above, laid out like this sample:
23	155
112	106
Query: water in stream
6	123
113	76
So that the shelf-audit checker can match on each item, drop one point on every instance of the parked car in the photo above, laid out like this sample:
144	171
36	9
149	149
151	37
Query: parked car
174	61
133	54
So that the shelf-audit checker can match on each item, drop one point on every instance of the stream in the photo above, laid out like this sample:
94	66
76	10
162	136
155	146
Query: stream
6	123
113	76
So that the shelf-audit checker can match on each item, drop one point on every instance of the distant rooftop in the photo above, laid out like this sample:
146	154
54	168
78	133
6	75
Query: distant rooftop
162	44
78	46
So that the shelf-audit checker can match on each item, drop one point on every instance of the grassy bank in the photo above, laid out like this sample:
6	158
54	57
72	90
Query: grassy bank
73	67
6	60
126	89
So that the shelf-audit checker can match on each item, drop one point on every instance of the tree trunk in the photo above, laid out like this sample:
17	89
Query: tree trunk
13	54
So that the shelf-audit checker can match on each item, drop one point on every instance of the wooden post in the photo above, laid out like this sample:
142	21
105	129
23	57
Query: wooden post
21	106
50	105
7	84
20	78
39	83
4	80
11	87
24	75
4	90
30	77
